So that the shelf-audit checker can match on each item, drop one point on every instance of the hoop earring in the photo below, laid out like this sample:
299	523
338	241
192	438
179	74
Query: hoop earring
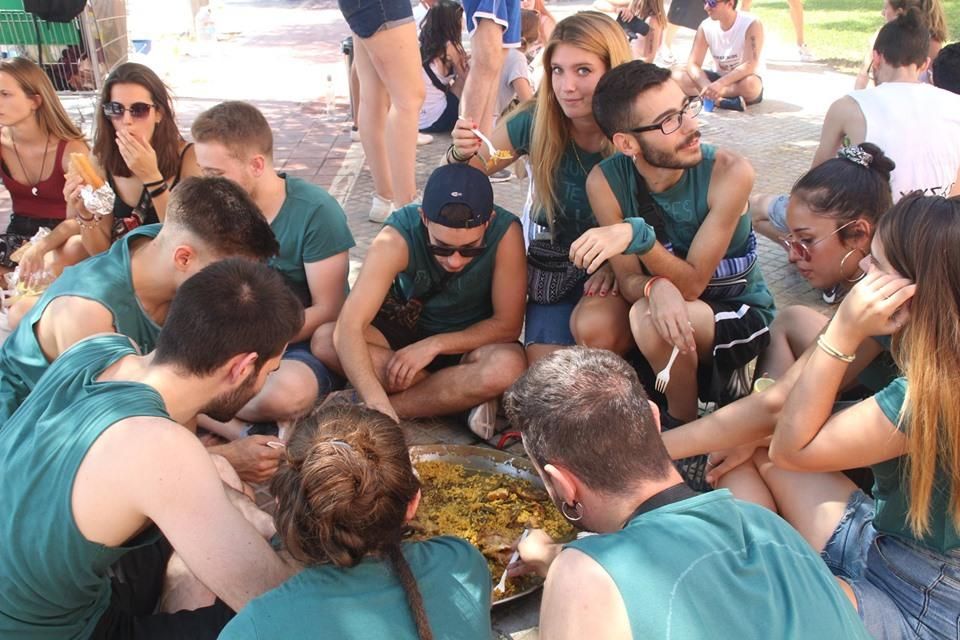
577	508
843	260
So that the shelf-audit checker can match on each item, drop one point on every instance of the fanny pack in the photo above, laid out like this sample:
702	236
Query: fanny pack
550	274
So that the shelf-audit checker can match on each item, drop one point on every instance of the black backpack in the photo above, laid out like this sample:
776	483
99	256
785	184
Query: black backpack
55	10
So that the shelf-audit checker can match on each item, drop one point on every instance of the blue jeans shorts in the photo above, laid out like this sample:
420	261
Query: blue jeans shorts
366	17
777	213
505	13
550	323
903	590
327	380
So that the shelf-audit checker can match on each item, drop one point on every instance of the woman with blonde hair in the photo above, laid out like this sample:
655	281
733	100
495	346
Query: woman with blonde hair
345	496
652	12
897	553
559	133
36	138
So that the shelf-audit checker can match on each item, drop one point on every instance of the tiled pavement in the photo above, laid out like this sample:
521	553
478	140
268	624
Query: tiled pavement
279	54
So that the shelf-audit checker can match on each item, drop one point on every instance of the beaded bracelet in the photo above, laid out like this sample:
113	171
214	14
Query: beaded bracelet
833	352
88	223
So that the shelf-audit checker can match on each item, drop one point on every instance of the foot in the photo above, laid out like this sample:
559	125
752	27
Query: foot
424	138
732	104
354	134
805	54
482	419
501	176
380	210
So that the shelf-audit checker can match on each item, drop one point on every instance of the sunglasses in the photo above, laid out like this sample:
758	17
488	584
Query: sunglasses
138	110
803	249
446	252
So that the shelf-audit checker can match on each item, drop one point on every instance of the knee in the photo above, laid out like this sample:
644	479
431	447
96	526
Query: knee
72	252
500	369
287	401
321	344
410	98
594	330
751	87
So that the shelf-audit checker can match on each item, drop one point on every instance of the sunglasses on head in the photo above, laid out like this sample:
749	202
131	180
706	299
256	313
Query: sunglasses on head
446	252
138	110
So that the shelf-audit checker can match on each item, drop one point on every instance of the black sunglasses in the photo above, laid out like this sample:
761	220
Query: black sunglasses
446	252
138	110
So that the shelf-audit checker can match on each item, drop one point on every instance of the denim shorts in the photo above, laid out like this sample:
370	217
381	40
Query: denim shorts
366	17
777	213
505	13
903	590
550	323
327	380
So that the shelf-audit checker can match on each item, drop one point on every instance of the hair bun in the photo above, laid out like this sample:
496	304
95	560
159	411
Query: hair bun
879	162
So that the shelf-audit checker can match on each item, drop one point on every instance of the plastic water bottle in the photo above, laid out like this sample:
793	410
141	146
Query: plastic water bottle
331	96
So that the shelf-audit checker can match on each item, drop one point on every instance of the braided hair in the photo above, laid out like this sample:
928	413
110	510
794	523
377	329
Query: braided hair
343	494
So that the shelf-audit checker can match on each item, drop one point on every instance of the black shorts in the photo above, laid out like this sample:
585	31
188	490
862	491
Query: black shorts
136	582
20	230
740	334
398	336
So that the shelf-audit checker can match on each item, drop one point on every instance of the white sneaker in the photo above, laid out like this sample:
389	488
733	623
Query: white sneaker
482	419
380	210
424	138
354	135
803	51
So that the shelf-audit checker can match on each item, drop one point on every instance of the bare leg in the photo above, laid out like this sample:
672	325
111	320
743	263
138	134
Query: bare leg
289	392
535	352
483	80
760	213
745	5
792	331
746	483
750	88
687	84
484	374
796	17
602	323
355	92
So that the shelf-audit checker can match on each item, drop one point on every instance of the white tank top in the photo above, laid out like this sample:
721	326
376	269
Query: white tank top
726	47
918	126
434	101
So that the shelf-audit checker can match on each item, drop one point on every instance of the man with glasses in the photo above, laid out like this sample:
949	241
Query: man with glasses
735	41
696	286
431	324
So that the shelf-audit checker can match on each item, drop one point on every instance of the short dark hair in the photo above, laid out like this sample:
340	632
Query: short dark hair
946	68
586	410
615	94
239	126
230	307
904	40
223	216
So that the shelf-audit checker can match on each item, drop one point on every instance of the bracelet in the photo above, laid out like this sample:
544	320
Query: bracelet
154	183
88	223
162	188
649	285
452	152
832	352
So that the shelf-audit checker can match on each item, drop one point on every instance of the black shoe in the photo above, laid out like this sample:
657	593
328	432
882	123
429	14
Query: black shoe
263	429
693	470
732	104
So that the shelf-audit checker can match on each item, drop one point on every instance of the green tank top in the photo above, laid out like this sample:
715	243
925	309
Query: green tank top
685	208
712	562
104	278
465	298
53	581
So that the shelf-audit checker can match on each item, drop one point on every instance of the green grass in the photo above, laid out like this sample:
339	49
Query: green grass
838	31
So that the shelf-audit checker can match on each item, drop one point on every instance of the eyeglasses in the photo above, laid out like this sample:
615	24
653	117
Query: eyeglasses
445	251
138	110
691	109
803	248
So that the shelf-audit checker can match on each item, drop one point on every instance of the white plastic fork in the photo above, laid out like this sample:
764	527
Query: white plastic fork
663	378
502	585
484	139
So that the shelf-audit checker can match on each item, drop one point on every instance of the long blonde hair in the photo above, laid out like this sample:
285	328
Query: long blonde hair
654	8
919	236
595	33
51	116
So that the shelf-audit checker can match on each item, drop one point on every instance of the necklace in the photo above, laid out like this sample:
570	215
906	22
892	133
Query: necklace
576	154
43	162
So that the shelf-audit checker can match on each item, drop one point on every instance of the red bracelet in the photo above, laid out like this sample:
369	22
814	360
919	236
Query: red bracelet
649	285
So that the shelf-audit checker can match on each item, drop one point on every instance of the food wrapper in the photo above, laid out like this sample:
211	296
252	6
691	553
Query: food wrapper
17	255
99	202
16	289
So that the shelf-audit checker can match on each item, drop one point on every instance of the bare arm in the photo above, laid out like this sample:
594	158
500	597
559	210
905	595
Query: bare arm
386	258
327	281
843	120
521	86
653	40
599	612
730	186
955	190
863	76
751	57
469	145
188	168
695	62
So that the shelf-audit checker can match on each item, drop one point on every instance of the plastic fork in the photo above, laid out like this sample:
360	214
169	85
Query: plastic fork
484	139
502	585
663	378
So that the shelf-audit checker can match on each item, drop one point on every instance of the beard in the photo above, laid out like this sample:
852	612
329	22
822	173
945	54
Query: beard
225	406
670	160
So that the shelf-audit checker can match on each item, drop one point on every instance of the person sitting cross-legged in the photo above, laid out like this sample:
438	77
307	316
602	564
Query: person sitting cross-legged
735	41
667	562
431	324
105	484
234	140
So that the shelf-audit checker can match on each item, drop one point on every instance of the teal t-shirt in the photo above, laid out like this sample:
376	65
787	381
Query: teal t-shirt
575	215
711	566
366	602
309	227
466	297
684	207
104	278
53	581
891	492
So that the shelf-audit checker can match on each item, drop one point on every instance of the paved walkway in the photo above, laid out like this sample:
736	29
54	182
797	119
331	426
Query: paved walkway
278	54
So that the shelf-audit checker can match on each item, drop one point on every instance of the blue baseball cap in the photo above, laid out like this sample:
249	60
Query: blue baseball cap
458	184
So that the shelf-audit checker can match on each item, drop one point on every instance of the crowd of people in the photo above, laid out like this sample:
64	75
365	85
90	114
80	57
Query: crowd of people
197	334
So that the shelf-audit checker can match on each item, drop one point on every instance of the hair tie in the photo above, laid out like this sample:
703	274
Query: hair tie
857	155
